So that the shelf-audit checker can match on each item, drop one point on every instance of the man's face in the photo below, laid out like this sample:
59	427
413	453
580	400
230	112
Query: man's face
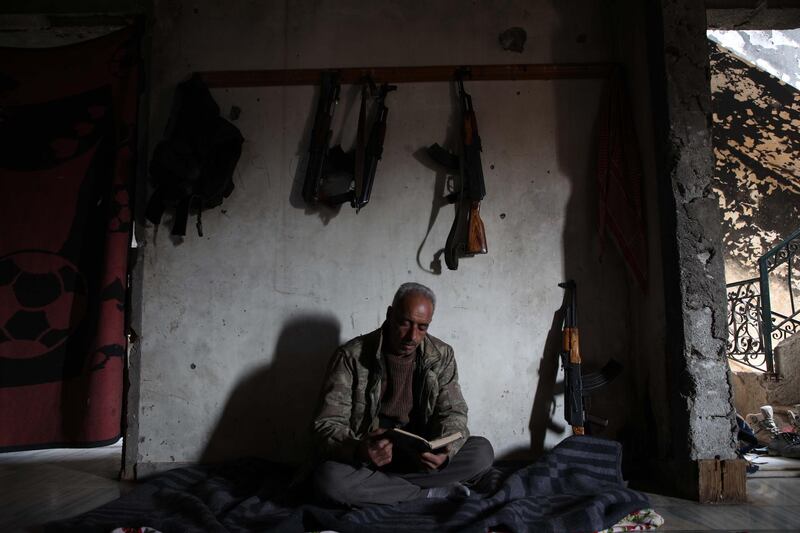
407	323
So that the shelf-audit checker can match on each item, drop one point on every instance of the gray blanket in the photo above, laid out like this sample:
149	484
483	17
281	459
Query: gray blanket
576	487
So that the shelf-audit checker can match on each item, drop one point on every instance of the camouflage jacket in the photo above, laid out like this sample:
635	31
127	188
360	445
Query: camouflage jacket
350	400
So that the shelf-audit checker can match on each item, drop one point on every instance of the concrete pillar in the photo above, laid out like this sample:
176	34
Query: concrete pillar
702	415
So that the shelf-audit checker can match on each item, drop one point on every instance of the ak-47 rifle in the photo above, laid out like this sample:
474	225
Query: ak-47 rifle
374	149
321	135
359	164
578	386
467	235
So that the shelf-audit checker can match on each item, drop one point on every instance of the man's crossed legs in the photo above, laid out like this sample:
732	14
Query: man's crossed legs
362	485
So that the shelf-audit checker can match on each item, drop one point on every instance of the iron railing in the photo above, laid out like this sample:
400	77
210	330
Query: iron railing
745	334
753	327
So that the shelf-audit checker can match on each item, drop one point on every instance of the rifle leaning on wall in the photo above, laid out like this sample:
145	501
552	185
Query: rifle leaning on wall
360	164
578	386
467	235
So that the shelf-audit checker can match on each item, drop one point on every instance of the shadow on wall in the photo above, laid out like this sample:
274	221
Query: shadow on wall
443	184
544	405
269	412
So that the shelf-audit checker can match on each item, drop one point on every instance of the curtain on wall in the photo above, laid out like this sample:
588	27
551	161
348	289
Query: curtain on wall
67	155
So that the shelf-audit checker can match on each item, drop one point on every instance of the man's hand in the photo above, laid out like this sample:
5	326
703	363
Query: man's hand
433	461
375	450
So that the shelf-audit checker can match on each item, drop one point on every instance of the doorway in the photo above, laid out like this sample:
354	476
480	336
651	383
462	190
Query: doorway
755	88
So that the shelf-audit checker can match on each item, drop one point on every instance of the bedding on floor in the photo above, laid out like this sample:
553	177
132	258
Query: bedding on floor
577	486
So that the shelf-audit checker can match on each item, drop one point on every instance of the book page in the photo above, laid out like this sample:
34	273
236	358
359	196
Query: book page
415	442
444	441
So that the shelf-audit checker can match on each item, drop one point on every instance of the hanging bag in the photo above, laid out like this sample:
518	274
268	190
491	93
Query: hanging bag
192	167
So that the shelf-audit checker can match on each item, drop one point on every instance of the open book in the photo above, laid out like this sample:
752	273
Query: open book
419	444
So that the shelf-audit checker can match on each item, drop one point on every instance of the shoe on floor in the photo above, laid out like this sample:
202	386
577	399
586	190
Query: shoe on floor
794	420
785	445
763	424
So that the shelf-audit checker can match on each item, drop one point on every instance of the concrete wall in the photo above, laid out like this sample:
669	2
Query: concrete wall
238	325
787	362
752	15
754	389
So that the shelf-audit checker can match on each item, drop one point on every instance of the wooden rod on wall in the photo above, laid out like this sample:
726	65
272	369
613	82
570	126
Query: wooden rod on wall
265	78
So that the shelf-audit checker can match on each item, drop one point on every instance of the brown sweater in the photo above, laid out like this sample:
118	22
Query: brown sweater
397	396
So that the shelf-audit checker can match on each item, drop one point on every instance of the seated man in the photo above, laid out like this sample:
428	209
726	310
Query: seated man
396	376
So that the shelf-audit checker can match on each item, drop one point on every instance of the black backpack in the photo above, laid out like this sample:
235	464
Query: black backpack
192	167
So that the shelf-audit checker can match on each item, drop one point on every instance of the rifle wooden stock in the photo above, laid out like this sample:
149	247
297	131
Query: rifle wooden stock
476	237
571	344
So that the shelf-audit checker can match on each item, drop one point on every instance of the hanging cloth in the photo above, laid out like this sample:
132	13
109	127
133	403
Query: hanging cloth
619	180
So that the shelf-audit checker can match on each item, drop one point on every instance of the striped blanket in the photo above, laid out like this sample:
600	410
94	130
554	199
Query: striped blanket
577	486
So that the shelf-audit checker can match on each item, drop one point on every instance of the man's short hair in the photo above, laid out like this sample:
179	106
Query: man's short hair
413	288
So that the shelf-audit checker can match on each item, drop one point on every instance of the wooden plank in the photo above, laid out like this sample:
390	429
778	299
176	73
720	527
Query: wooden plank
734	481
266	78
709	480
722	481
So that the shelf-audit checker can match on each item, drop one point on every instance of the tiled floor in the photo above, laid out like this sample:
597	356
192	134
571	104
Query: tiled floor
40	486
773	494
774	505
